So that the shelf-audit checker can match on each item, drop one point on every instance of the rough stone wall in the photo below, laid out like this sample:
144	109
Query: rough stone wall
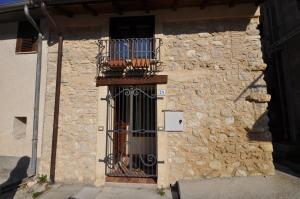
76	148
215	71
216	76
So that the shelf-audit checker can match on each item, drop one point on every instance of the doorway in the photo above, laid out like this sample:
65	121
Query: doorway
131	135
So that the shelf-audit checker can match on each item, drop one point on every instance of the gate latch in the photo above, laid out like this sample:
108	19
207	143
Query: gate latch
103	160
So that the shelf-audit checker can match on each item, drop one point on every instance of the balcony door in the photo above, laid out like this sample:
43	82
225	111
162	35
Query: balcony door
131	38
131	27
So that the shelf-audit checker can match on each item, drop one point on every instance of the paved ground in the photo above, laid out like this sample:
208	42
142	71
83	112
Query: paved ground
61	192
110	191
56	192
4	175
129	192
280	186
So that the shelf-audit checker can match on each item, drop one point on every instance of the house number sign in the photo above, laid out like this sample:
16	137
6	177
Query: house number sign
162	92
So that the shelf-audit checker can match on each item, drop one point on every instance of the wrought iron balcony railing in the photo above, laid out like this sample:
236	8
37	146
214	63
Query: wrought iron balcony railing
128	56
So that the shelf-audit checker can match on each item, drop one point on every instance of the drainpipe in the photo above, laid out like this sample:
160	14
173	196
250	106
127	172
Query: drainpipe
37	91
57	91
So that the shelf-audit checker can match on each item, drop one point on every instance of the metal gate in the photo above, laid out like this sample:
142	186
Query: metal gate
131	135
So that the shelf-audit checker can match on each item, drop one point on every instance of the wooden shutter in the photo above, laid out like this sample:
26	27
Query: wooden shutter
26	38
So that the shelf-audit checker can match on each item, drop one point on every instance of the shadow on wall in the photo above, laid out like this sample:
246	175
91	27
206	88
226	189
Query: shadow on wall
169	27
260	130
76	34
196	27
15	178
254	85
206	25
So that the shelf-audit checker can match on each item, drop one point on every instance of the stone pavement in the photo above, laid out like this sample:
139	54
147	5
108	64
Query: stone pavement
109	191
4	175
129	192
280	186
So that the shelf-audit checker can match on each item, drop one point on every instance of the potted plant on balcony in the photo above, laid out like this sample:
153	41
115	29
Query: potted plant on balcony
117	64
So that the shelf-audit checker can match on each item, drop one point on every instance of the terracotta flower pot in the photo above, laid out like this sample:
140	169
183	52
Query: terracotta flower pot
140	63
117	64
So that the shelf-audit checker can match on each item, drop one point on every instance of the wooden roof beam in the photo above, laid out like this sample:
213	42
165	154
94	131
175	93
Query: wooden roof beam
117	7
146	6
90	9
175	5
258	2
203	3
64	11
231	3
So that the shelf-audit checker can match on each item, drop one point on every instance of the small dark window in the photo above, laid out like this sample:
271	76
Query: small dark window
298	4
26	38
19	130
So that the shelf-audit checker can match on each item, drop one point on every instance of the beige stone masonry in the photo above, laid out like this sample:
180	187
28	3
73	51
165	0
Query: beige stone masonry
76	148
215	75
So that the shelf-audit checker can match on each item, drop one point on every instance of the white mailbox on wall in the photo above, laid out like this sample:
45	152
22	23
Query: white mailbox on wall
174	121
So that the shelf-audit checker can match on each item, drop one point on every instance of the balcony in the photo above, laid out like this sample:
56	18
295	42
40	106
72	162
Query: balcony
133	57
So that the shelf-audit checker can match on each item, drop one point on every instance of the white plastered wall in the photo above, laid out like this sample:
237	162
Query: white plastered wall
17	87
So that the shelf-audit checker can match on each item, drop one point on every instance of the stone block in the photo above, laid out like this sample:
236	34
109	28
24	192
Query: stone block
217	165
258	97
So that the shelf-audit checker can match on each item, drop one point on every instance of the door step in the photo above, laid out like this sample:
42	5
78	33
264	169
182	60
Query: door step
131	180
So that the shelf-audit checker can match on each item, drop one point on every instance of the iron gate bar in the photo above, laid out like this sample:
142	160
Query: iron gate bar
131	141
130	126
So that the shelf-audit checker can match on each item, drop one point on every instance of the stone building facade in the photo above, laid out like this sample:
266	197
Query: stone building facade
215	76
